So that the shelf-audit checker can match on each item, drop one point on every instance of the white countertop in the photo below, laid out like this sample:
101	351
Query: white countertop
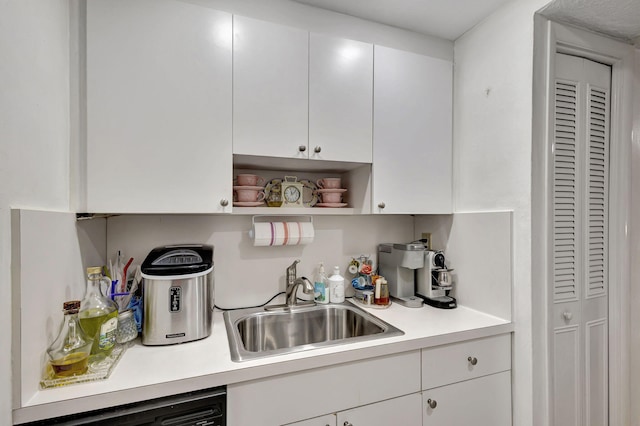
147	372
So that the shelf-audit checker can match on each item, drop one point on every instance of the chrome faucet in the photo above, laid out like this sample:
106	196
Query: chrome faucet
292	290
292	286
291	273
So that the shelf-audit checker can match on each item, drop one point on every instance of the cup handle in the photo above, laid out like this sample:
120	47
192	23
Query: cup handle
261	196
320	183
260	181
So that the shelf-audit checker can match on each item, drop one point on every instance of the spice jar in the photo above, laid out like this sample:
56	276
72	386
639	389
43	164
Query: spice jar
127	329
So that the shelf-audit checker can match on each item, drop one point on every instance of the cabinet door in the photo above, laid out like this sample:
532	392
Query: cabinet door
340	99
270	89
482	401
412	158
158	107
403	411
328	420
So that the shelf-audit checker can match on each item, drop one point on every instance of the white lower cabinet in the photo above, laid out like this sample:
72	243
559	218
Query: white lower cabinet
321	391
328	420
403	411
485	401
464	383
468	383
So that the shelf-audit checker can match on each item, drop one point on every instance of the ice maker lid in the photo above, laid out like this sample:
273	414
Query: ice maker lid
178	260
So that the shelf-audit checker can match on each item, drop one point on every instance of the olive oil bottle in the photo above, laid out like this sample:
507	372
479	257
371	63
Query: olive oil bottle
98	315
69	353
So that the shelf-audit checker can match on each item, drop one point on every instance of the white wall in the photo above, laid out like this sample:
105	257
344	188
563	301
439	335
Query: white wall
634	356
493	65
34	131
478	246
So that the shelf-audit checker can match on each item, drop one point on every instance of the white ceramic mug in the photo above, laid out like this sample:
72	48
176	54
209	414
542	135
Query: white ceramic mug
329	183
246	179
249	195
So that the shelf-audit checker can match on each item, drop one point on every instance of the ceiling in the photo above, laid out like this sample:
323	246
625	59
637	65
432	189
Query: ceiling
449	19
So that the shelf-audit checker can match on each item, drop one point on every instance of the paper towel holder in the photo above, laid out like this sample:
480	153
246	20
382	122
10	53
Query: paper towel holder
281	223
276	218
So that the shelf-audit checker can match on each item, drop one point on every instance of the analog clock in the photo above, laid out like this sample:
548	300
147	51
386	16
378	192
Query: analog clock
291	192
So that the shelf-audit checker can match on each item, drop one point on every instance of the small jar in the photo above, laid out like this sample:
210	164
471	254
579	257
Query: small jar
381	296
127	329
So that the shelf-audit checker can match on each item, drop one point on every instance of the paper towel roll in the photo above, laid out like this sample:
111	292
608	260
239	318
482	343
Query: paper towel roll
281	233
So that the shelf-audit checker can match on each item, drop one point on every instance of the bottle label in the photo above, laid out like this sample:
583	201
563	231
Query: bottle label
320	292
108	334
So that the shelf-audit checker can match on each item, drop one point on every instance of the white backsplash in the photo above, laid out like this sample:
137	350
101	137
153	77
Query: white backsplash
246	275
51	250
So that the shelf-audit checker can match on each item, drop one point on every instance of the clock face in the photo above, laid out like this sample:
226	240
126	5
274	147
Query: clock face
292	194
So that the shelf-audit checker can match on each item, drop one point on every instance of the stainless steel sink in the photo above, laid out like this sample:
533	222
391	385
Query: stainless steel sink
256	333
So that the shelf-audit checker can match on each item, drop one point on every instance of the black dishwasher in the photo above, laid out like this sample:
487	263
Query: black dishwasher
200	408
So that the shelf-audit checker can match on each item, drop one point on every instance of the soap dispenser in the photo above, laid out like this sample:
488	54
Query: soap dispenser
321	286
336	285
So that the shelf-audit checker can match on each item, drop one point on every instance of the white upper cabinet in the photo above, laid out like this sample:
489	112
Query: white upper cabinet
270	89
412	133
158	107
340	99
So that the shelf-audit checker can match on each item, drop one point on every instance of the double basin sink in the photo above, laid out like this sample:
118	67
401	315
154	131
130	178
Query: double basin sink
256	332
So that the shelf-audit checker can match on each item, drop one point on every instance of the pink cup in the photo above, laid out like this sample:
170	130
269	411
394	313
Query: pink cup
249	195
329	183
245	179
331	197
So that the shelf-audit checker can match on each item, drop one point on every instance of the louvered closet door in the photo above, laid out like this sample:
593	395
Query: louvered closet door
580	240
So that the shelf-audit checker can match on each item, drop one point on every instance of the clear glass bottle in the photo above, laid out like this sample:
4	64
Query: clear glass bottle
69	353
98	315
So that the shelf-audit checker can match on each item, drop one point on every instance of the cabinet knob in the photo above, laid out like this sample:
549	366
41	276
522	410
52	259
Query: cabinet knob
382	205
317	149
224	202
472	360
567	315
302	148
346	424
432	403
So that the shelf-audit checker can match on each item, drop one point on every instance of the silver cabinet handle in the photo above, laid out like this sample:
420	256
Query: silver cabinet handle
432	403
224	202
317	149
472	360
382	205
567	315
302	148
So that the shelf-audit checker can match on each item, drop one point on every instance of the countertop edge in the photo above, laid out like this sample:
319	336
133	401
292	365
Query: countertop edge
277	366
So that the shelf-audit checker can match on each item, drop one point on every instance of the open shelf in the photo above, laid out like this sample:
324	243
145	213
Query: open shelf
287	211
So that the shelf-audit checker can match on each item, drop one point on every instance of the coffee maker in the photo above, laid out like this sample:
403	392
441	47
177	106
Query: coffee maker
398	264
434	281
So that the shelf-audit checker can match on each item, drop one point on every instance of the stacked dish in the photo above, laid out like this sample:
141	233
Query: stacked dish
248	192
331	192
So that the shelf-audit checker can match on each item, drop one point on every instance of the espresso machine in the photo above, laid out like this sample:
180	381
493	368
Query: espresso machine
434	281
398	264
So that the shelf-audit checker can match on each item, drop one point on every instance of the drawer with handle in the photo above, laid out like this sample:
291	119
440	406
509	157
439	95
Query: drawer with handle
452	363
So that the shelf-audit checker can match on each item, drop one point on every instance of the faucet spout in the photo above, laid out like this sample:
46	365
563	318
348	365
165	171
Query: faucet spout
292	290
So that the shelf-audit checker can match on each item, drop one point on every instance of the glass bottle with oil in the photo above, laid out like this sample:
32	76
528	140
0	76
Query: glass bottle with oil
69	353
98	315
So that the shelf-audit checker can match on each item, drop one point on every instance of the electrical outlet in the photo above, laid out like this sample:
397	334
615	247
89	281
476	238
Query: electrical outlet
427	236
